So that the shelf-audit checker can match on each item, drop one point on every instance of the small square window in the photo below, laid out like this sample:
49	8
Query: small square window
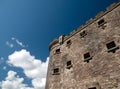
92	88
87	57
112	47
57	51
101	23
69	64
56	71
83	34
69	43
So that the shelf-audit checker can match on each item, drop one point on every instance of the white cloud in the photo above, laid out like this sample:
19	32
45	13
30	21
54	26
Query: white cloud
18	42
13	38
38	83
1	60
13	82
33	68
9	44
4	68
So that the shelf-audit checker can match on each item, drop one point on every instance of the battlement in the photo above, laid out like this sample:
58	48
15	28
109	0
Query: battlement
87	23
54	42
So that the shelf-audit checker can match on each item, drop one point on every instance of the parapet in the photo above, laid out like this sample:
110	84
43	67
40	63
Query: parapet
53	43
90	21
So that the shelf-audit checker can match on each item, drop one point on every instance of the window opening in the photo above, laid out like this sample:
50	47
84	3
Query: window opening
83	34
69	43
57	51
56	71
87	57
101	22
112	47
69	64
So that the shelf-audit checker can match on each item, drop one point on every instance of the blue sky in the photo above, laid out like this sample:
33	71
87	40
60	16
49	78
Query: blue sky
26	29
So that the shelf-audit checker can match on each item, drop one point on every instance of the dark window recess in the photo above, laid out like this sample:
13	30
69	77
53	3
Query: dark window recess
69	43
87	57
69	64
57	51
112	47
92	88
83	34
56	71
101	22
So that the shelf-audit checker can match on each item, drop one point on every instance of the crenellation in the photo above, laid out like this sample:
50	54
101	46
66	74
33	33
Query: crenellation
73	32
53	43
89	21
111	6
100	14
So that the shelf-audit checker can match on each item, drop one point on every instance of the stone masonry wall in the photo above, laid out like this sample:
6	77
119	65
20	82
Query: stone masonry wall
83	59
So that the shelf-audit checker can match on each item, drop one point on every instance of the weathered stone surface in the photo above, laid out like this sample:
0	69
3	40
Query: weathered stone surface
102	69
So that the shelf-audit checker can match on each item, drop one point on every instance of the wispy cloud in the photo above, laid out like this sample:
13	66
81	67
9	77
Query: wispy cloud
18	42
9	44
1	60
4	68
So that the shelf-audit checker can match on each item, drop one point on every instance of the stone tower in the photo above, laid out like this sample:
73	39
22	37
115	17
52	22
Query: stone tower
89	57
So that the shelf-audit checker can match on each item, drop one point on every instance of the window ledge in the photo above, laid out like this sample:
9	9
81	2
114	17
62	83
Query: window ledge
113	49
102	24
56	74
68	67
87	59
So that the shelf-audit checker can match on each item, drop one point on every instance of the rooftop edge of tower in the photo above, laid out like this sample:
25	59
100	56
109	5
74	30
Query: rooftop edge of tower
63	38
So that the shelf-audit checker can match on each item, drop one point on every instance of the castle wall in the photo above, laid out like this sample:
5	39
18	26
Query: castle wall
88	58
